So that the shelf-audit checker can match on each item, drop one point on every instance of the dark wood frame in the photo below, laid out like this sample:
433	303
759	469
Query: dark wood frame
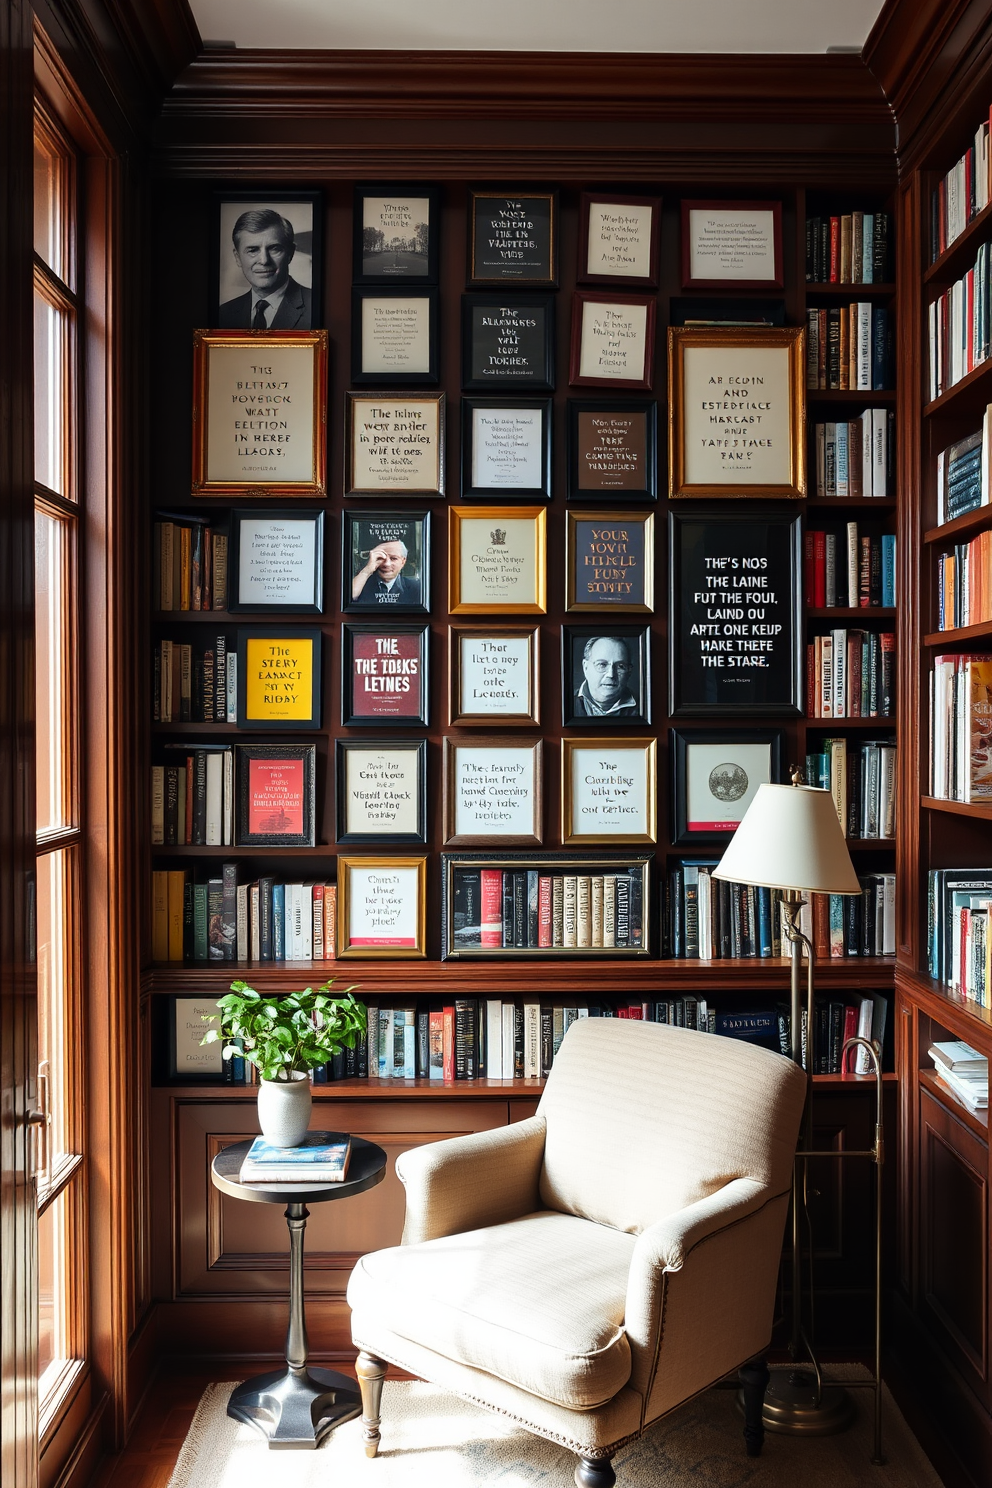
424	493
316	200
418	747
351	606
642	633
548	281
450	803
274	514
583	297
691	205
375	188
647	406
545	384
349	719
649	748
403	291
618	199
680	741
456	633
279	633
643	518
523	493
243	753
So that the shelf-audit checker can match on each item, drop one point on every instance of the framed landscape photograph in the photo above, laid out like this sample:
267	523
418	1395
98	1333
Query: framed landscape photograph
394	336
493	675
497	560
275	795
382	907
384	674
609	790
275	561
385	562
381	790
612	340
259	413
715	777
734	244
492	792
609	562
605	675
396	234
279	679
619	239
612	450
395	444
267	264
736	411
735	612
513	239
508	341
506	448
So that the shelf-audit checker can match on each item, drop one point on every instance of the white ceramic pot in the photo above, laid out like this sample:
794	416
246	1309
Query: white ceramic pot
284	1109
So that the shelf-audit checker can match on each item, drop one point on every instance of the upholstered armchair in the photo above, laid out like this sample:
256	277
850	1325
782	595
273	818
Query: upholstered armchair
588	1270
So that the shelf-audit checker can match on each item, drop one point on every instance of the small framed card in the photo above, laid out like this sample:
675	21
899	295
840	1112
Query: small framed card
395	445
385	562
497	560
715	777
276	561
279	679
609	562
612	450
275	790
612	340
609	790
736	243
267	264
382	907
492	792
514	239
605	675
506	448
381	790
619	238
493	675
396	234
189	1059
394	336
384	675
508	341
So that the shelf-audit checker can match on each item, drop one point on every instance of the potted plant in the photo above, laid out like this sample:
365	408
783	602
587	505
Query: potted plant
285	1037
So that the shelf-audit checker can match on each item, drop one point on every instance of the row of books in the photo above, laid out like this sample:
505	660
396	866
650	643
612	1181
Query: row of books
222	920
959	326
961	194
189	566
961	727
851	674
963	1071
861	777
851	248
963	474
849	346
853	568
964	583
196	682
523	908
958	942
193	802
857	457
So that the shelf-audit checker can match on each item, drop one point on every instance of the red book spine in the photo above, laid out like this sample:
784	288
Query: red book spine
809	567
492	907
448	1044
819	570
634	1011
835	250
850	1029
544	911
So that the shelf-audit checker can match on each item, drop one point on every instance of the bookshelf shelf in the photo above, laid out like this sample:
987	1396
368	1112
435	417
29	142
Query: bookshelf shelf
823	725
960	636
967	398
177	730
977	810
978	1121
972	521
202	617
845	291
187	850
860	396
956	259
849	612
850	503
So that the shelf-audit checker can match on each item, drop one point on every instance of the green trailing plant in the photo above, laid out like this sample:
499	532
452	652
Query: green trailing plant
295	1031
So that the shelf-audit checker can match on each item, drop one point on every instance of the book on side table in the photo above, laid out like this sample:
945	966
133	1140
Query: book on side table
315	1160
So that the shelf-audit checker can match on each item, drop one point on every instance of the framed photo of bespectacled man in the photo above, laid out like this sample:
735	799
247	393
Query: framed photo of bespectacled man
605	675
715	777
267	264
385	563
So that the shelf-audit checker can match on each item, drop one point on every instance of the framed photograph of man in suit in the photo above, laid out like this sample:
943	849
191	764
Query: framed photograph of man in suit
384	562
267	261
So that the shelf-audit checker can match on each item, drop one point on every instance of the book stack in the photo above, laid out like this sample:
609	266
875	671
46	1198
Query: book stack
963	474
189	566
195	683
963	1071
856	458
958	326
222	920
851	248
852	568
849	346
315	1160
861	779
525	909
851	674
961	194
964	584
961	727
193	802
958	944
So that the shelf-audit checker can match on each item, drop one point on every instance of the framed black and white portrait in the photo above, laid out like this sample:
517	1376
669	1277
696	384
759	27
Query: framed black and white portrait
605	675
266	261
385	562
715	777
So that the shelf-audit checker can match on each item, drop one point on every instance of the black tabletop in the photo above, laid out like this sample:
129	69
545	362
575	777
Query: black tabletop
366	1168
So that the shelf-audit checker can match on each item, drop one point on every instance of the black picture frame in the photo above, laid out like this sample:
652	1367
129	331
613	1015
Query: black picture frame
342	749
280	516
383	377
472	487
524	326
398	265
637	640
281	666
513	238
750	543
412	529
245	755
593	424
609	562
724	741
296	311
355	632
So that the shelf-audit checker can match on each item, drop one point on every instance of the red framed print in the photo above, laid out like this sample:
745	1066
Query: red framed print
275	785
732	243
384	674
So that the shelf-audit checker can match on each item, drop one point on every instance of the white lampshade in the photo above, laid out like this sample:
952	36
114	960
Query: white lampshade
790	838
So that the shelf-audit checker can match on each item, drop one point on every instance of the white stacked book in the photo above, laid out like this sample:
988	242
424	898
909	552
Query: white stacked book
964	1071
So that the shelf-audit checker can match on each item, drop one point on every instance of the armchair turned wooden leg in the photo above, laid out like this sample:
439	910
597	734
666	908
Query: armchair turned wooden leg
754	1379
371	1373
594	1472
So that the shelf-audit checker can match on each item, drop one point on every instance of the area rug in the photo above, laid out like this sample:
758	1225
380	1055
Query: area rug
432	1440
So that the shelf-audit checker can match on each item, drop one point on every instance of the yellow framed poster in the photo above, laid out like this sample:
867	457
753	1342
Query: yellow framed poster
278	679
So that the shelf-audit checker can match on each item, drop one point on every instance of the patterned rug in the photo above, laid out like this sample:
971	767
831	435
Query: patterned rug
433	1440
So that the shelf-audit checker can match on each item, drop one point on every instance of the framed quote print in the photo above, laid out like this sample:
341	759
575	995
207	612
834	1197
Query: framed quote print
259	413
190	1060
384	674
619	238
612	450
381	790
492	792
737	411
279	679
394	336
715	777
275	561
493	675
396	234
609	790
267	261
612	340
609	562
497	560
506	448
605	675
395	444
732	244
382	909
275	795
385	562
508	341
514	238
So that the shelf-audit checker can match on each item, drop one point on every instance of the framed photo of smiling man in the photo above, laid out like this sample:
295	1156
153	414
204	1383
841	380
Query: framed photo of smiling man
605	675
266	266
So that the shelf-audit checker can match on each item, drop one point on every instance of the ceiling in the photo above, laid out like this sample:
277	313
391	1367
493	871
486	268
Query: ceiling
721	26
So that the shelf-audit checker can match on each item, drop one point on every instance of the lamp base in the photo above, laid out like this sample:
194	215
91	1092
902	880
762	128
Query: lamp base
791	1409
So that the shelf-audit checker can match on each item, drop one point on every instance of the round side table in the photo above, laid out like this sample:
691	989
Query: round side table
297	1406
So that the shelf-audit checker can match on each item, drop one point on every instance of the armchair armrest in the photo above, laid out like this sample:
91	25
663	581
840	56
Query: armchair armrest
466	1183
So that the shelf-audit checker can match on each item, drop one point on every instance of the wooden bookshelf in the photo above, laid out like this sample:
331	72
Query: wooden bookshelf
977	810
